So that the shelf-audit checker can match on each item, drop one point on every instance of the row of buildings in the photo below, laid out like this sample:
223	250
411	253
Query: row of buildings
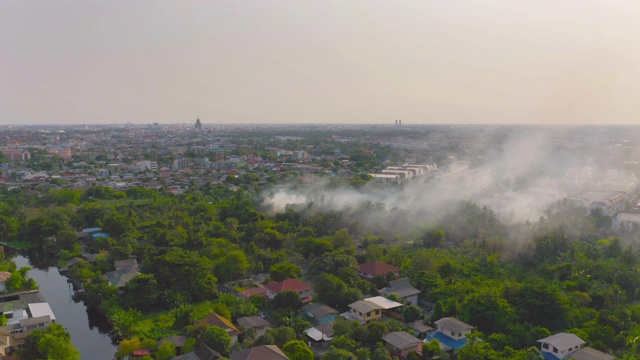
403	174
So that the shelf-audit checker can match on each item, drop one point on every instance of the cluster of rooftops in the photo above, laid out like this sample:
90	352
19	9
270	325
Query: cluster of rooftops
25	312
450	332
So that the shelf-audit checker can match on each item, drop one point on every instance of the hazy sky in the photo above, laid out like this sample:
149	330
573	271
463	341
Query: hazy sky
320	61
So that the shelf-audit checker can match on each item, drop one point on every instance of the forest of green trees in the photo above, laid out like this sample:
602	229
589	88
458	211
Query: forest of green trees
514	283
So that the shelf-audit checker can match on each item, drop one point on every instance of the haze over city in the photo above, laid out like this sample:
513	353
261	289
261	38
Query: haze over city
495	61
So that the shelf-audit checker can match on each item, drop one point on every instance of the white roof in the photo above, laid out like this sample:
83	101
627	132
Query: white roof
562	341
387	176
41	309
383	302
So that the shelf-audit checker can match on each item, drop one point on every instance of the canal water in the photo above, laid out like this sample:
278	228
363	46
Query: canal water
89	332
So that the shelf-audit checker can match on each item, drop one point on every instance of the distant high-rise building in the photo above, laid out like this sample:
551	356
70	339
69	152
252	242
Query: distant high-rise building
179	164
198	124
147	165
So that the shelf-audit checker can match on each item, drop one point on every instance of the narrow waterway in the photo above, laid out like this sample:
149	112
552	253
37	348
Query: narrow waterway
89	333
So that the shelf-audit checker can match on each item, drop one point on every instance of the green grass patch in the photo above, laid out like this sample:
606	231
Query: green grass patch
159	324
20	245
156	325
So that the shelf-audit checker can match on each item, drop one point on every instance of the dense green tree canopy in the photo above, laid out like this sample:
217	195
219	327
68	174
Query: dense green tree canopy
217	339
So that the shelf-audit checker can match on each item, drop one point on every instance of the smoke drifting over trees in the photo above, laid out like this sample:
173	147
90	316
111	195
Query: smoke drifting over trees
519	179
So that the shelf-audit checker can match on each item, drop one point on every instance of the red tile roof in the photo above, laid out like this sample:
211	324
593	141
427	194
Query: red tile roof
288	285
254	291
377	268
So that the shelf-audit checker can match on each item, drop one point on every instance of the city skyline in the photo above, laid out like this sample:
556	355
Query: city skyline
285	62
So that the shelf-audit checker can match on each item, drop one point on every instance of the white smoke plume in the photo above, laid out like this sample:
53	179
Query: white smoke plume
520	178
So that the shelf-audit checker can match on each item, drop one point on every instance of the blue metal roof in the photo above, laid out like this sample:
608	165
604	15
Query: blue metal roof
446	340
549	356
99	235
91	230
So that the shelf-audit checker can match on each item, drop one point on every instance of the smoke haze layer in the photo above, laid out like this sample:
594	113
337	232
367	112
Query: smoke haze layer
518	179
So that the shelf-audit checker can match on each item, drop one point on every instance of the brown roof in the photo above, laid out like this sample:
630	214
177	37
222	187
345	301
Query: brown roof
251	322
288	285
4	276
364	306
36	320
590	353
203	352
455	325
126	265
216	320
401	287
420	326
377	268
264	352
318	310
401	340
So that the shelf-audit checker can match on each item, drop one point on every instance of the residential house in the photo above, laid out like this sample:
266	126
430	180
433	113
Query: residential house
319	336
85	240
320	313
254	324
37	177
303	289
264	352
562	346
25	312
370	309
363	311
403	289
202	352
216	320
401	343
419	329
451	333
373	269
389	307
125	271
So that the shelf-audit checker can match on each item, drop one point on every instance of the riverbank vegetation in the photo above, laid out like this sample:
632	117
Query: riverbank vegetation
53	342
515	283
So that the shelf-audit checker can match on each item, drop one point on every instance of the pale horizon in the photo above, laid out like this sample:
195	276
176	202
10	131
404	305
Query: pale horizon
319	62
